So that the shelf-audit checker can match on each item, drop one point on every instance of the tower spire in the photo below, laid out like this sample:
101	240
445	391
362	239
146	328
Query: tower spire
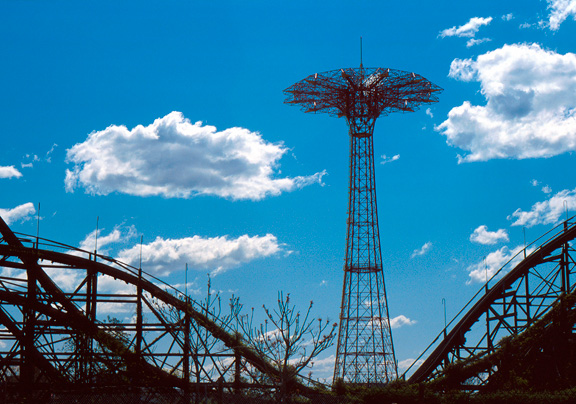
360	52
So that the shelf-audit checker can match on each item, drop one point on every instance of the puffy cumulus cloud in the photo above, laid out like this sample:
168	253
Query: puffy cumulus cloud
494	262
546	212
467	30
174	158
9	172
530	110
19	213
481	235
400	321
462	69
215	254
560	10
422	250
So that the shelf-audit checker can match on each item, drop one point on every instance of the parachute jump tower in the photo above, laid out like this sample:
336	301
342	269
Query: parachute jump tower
365	352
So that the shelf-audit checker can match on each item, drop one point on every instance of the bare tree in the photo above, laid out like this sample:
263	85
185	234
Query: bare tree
289	340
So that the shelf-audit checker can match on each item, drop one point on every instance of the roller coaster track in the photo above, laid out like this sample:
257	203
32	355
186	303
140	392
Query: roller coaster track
56	328
524	291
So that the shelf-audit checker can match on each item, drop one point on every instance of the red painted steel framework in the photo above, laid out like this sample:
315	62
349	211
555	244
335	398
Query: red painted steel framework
365	351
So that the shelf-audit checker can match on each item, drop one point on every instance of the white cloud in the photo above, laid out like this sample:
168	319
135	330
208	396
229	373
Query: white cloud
508	17
324	364
33	158
535	183
175	158
422	250
15	273
395	322
429	112
67	279
323	368
119	234
530	110
108	284
48	157
192	289
406	363
546	212
546	189
9	172
386	159
215	254
467	30
560	10
462	69
400	321
19	213
493	262
482	236
471	42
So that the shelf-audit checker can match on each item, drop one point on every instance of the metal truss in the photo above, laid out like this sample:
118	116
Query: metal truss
365	351
524	291
74	318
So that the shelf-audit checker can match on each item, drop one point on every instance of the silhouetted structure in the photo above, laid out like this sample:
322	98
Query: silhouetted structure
57	336
365	352
57	330
522	329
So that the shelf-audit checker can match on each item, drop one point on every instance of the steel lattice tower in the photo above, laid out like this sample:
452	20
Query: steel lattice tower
365	352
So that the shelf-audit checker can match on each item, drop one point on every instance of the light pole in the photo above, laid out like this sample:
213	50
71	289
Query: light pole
444	304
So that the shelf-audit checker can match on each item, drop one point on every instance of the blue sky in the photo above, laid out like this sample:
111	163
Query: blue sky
166	120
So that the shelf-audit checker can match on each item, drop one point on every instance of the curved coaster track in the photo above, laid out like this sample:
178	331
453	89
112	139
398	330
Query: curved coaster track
56	328
533	295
